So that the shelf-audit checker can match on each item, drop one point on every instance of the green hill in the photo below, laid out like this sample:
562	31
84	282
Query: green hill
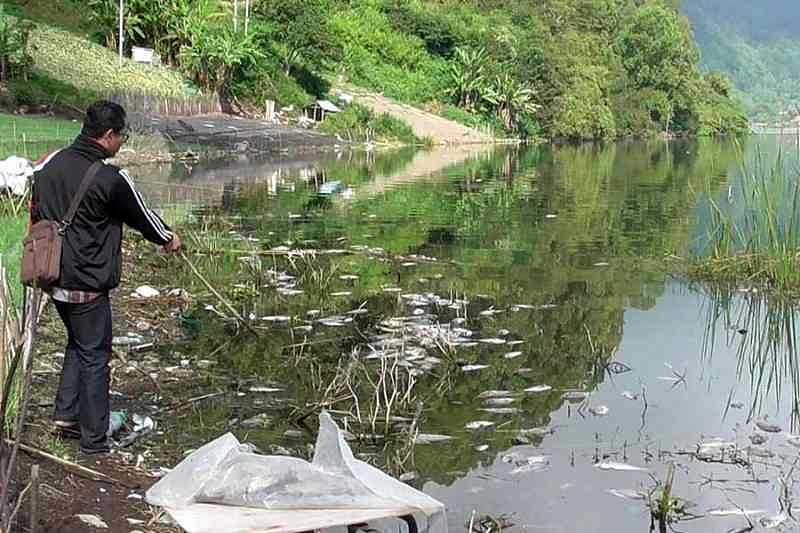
755	43
579	69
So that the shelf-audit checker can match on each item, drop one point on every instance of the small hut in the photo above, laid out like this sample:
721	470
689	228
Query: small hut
320	108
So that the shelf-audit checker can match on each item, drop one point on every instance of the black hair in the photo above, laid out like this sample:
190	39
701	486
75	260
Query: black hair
103	116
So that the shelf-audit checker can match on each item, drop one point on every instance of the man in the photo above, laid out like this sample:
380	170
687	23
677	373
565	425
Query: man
91	263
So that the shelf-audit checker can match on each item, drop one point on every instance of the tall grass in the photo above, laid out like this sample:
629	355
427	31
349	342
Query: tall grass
752	235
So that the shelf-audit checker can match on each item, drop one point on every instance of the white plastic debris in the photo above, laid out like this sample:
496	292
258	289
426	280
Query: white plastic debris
146	291
92	520
224	482
14	175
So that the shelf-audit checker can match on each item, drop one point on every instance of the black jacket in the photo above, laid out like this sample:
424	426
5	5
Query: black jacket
91	258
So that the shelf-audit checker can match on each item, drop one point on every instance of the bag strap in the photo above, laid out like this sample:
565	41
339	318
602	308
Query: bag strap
78	198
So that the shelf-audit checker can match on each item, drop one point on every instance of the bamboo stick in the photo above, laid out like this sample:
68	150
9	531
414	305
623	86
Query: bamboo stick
222	299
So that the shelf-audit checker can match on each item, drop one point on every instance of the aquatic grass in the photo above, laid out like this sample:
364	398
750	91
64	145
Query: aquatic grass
764	330
752	236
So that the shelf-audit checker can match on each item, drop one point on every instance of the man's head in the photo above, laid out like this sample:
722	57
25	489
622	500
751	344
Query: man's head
105	123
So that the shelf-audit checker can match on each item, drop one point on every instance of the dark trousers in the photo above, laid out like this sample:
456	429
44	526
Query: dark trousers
85	378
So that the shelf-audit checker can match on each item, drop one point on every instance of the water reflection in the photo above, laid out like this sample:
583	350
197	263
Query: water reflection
560	251
762	331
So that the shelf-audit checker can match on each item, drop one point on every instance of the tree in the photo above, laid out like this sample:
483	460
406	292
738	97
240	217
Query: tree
14	57
301	30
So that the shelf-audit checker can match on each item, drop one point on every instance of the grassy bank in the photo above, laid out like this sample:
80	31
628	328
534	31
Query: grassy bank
32	137
753	233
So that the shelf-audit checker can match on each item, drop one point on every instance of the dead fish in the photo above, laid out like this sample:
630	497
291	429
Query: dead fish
769	428
341	293
757	451
758	438
479	424
574	396
539	388
628	395
265	390
627	494
431	438
737	405
348	277
503	333
289	292
482	448
360	311
392	289
491	312
619	467
601	264
531	464
600	410
734	512
536	431
276	318
519	307
494	394
794	440
512	355
515	343
492	341
615	367
712	447
772	522
500	410
473	368
499	402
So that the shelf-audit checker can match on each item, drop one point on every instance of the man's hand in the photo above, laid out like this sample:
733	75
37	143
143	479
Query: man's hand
174	246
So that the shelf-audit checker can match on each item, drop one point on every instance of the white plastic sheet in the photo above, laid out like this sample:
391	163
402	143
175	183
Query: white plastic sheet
224	482
14	174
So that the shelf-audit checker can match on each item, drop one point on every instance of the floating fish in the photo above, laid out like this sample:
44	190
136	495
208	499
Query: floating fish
473	368
503	333
573	396
276	318
600	410
431	438
539	388
491	312
769	428
500	410
492	341
531	464
515	343
519	307
628	494
494	394
714	446
482	448
499	402
348	277
773	522
794	440
737	405
619	467
392	289
479	424
512	355
265	390
601	264
615	367
341	293
734	512
628	395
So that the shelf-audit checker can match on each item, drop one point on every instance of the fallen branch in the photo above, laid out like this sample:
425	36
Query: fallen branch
82	471
188	402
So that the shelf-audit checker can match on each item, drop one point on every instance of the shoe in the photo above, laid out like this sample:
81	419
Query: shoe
95	451
66	429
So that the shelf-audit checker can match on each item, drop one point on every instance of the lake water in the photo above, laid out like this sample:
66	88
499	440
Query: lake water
563	260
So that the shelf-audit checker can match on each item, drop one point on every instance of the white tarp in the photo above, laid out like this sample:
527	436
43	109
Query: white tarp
224	482
14	174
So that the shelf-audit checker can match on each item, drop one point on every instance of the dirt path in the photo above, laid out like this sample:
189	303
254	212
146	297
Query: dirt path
424	124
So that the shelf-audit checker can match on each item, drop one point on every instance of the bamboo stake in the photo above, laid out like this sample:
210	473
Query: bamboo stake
34	516
214	291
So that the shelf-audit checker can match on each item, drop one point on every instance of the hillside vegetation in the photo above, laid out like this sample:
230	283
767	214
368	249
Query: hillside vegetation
757	44
580	69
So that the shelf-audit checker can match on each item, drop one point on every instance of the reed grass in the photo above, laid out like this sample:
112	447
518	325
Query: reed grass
752	235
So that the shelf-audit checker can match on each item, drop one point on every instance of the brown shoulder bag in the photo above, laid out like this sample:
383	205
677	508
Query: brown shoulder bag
41	251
